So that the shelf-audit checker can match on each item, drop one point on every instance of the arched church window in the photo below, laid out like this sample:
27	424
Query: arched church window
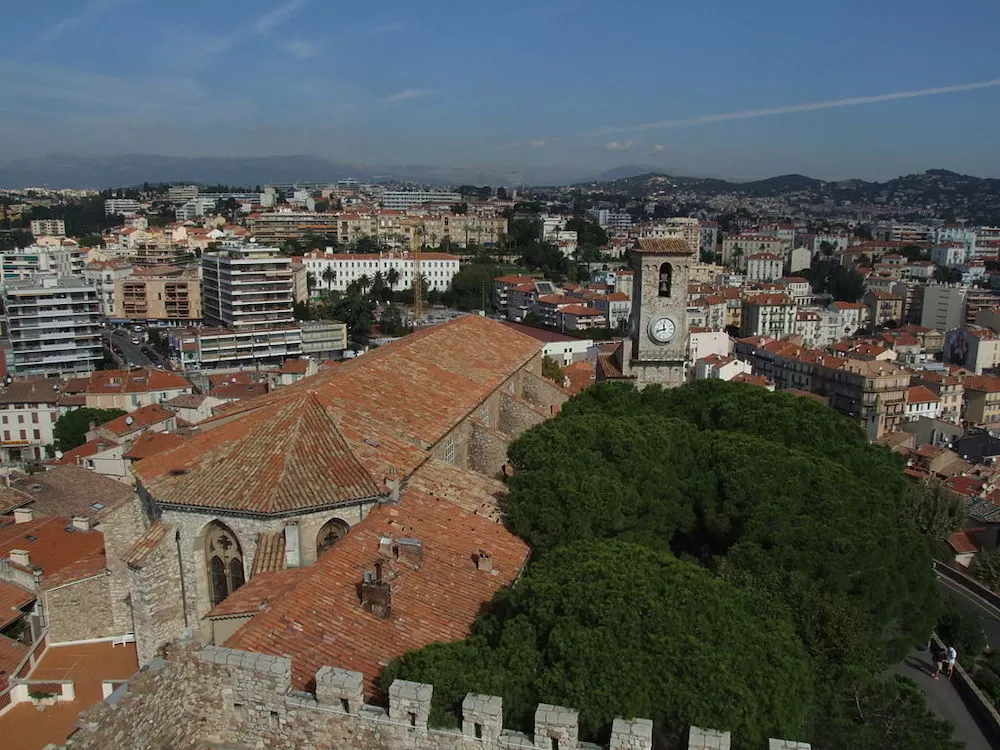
666	279
330	533
225	562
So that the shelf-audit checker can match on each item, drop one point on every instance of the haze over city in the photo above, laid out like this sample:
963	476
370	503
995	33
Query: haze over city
722	89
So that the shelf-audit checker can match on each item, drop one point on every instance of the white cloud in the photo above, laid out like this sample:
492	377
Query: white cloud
619	146
301	48
68	23
657	148
853	101
407	94
277	16
540	143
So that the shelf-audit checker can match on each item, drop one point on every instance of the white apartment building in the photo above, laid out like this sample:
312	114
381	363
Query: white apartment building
247	286
965	236
911	233
944	306
765	267
852	316
29	409
921	402
400	200
718	367
49	227
195	208
768	315
949	254
182	193
53	260
736	250
102	275
838	242
121	206
53	325
438	269
819	327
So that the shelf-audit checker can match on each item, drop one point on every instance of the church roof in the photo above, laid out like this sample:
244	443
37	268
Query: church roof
662	246
344	434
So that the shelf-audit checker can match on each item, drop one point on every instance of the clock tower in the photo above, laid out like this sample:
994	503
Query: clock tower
656	350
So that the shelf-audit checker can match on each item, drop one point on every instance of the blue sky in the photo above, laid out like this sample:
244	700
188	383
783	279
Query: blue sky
586	83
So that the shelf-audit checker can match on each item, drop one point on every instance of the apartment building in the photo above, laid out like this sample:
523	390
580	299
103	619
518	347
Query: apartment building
49	227
836	243
949	391
580	317
54	260
944	306
437	269
53	325
501	287
401	200
214	348
182	193
247	286
102	275
884	308
121	207
982	400
690	230
133	389
765	267
768	315
29	409
975	348
737	250
615	307
911	233
719	367
162	294
275	228
818	327
323	339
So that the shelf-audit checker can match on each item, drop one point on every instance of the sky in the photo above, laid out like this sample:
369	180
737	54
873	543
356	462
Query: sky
721	88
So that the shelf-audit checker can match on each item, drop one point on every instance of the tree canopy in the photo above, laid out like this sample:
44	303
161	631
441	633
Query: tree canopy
70	430
762	498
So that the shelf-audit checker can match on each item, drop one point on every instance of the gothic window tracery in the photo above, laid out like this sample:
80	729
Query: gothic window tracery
330	533
225	562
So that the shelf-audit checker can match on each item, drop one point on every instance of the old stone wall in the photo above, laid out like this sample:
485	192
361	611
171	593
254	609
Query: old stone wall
80	610
543	393
516	416
157	602
121	528
487	450
224	697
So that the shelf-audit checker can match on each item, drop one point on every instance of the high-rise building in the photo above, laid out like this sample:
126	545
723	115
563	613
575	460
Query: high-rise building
53	325
55	260
400	200
161	293
247	286
944	306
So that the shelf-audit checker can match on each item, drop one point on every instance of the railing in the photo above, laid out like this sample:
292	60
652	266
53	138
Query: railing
23	667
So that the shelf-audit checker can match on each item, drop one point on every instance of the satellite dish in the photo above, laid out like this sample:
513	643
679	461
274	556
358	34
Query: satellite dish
59	454
129	420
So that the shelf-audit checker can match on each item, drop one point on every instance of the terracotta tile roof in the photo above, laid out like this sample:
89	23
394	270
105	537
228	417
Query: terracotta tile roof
752	380
11	499
295	367
150	443
32	391
186	401
769	299
11	653
581	311
62	555
840	305
965	486
12	599
918	394
662	246
962	542
557	299
321	621
259	593
149	541
270	555
70	491
542	334
138	419
76	385
240	391
982	383
580	375
90	448
141	380
288	455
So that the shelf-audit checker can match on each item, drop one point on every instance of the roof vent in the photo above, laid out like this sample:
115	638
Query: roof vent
484	561
410	551
81	522
35	488
20	557
24	515
177	472
129	420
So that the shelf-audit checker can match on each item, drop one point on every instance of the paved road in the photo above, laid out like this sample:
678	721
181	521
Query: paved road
131	352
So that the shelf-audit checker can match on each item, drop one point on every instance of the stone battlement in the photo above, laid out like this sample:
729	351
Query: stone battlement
199	696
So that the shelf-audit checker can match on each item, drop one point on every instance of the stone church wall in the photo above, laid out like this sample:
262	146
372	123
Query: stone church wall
516	416
156	598
487	450
81	610
221	697
121	527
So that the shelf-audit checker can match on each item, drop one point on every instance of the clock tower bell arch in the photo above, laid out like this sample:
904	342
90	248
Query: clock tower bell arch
656	350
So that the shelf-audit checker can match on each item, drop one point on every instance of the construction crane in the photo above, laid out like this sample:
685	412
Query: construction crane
416	245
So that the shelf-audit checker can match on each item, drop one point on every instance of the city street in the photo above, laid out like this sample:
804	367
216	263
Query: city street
122	338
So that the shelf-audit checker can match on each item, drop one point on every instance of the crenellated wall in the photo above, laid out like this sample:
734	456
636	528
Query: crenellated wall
213	695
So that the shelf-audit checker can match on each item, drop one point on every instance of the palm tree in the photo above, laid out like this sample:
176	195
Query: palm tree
392	278
310	283
364	283
379	287
329	276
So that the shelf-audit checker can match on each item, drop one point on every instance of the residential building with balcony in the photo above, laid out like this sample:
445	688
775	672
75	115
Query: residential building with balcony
768	315
54	260
765	267
246	287
884	308
400	200
949	391
48	227
121	207
921	403
982	400
208	348
323	339
29	409
53	325
162	294
581	318
103	275
737	250
437	269
501	287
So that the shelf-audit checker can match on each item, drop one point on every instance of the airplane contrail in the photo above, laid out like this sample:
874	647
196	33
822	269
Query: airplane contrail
767	112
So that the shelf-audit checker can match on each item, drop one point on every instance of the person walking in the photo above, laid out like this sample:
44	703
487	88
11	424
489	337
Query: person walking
938	659
952	656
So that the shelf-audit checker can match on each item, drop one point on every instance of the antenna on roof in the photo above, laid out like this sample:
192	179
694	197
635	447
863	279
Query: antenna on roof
129	420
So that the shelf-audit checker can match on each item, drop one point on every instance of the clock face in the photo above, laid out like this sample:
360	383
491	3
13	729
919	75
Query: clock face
662	329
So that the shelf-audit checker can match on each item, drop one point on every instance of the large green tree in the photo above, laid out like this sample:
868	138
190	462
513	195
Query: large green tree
616	629
70	430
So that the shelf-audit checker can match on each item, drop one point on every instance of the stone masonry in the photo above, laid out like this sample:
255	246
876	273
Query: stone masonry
79	610
217	697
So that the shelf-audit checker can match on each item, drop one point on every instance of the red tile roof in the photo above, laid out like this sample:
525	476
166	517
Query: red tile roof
321	620
11	653
141	380
138	419
918	394
259	592
542	334
581	311
962	542
295	367
62	555
151	443
144	545
663	246
270	555
12	599
90	448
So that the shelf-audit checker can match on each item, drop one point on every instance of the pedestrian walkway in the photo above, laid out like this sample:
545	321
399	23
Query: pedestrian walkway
943	699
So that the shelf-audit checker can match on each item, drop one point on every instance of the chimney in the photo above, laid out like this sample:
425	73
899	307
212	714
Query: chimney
24	515
385	546
81	523
20	557
484	561
410	551
376	594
